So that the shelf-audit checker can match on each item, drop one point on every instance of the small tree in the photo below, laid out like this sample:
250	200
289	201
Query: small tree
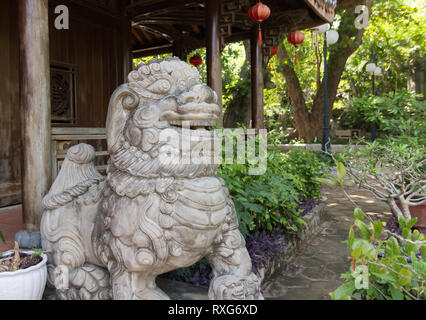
392	172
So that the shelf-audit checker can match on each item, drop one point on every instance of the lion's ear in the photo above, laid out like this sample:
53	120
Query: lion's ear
123	101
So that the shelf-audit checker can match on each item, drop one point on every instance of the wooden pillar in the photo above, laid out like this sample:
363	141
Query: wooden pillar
214	62
34	81
178	49
126	47
257	85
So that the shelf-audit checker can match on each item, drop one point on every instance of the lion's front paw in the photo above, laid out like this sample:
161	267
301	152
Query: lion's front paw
232	287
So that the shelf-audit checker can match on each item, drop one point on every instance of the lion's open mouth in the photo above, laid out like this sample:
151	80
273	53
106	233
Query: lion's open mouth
193	115
194	109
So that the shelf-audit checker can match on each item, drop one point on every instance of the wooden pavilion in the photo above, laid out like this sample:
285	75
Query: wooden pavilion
56	83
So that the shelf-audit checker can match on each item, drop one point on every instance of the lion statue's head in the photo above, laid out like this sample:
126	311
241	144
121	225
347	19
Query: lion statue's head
157	122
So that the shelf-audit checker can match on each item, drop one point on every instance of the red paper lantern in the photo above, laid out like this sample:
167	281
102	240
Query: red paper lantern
296	38
259	13
195	60
274	51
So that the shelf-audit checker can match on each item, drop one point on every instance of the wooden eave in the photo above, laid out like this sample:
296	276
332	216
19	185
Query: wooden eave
165	21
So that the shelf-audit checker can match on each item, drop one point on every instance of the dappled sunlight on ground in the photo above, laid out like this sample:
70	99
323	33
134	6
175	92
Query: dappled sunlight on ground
325	257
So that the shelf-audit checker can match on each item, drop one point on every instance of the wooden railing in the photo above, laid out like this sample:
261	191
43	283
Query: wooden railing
65	137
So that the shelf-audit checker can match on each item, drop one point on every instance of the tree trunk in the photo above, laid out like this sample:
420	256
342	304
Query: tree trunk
239	108
309	123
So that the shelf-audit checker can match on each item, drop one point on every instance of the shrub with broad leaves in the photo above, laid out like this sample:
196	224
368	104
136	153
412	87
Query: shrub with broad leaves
390	269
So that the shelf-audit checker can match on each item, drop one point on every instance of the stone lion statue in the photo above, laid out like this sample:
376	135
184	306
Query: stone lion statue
110	238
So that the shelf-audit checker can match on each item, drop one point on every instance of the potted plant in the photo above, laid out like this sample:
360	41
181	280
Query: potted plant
23	274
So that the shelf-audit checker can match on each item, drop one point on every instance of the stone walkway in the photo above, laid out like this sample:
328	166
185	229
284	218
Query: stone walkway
324	258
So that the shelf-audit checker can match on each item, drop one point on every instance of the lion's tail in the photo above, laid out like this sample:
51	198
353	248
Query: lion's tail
77	174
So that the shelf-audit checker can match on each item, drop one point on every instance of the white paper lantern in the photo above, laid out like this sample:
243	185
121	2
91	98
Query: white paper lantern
378	71
371	67
322	28
332	36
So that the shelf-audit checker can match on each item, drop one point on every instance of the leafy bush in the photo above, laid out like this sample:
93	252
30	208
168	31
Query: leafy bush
394	268
395	114
267	206
271	200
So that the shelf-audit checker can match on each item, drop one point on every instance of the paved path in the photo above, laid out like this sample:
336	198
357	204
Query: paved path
324	258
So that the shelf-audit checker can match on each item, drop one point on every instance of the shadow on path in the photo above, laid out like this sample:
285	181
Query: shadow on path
325	257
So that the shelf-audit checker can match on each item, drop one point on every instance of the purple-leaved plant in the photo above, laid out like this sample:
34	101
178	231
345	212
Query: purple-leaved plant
263	247
308	206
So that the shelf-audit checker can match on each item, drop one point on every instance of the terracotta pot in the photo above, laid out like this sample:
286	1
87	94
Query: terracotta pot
25	284
420	213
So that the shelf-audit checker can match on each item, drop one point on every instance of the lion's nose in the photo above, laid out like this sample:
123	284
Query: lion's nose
207	95
199	93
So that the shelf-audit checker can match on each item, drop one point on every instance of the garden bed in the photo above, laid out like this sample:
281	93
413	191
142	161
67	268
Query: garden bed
294	241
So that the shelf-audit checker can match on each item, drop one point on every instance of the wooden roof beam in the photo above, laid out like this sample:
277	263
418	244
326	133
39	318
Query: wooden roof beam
146	35
196	29
137	36
171	21
161	33
146	52
144	7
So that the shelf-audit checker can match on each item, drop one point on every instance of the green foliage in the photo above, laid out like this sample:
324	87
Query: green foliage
335	181
392	268
395	114
386	158
270	200
37	252
233	57
395	38
307	166
2	237
384	269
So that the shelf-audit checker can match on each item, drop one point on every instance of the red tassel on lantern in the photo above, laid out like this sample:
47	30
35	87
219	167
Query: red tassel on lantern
259	12
296	38
195	60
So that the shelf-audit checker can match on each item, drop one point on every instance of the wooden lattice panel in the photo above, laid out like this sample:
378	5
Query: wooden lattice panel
62	94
